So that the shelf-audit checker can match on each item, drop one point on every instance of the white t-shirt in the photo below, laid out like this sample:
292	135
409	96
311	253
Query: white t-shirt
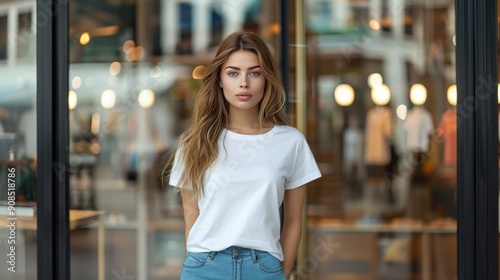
245	187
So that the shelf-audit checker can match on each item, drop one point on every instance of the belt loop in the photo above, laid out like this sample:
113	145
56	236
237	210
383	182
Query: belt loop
235	251
254	255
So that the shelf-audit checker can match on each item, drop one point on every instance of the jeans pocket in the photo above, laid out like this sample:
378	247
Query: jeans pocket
195	260
268	263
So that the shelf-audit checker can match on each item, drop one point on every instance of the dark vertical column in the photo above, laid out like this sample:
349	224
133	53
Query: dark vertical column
477	139
52	139
284	65
283	46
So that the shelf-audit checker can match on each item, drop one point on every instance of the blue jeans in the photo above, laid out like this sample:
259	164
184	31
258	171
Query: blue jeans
233	263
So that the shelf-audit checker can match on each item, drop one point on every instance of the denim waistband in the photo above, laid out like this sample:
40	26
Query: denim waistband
236	251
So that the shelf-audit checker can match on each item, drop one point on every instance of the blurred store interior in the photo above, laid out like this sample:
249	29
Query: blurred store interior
381	120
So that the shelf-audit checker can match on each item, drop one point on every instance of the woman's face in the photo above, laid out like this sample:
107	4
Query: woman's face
242	81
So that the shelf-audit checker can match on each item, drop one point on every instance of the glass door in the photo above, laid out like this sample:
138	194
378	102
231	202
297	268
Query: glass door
18	140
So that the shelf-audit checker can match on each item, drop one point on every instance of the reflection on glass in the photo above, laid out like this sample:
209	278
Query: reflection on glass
418	94
18	142
76	83
72	100
401	111
115	68
26	36
344	95
498	93
199	72
375	80
84	38
135	69
451	95
146	98
381	95
379	173
395	144
108	99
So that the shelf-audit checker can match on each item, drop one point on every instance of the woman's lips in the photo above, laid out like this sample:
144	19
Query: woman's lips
244	96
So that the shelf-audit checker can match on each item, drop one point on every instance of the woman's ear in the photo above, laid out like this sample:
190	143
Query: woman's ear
220	83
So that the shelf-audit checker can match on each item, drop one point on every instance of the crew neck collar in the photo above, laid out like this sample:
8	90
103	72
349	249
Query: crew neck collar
249	136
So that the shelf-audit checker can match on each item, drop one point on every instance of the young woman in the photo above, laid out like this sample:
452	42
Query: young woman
236	163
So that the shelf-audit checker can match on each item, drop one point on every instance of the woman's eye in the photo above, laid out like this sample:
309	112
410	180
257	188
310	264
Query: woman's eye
255	74
232	74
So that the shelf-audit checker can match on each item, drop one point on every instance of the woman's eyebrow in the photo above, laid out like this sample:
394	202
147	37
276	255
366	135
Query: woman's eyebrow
237	68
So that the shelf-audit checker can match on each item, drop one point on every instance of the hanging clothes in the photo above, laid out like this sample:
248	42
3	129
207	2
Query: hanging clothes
418	126
377	132
448	131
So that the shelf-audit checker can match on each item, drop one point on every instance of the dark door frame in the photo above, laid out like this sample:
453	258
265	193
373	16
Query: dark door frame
52	66
477	116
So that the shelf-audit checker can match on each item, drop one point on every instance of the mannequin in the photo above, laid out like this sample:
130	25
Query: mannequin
444	195
378	131
378	128
418	122
419	127
448	128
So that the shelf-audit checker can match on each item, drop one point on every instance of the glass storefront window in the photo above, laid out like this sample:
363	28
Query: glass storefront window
18	142
386	137
381	119
26	36
135	68
378	118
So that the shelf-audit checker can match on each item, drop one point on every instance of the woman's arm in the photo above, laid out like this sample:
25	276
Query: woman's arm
190	208
292	225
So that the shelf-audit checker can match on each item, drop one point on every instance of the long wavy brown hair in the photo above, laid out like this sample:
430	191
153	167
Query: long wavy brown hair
198	145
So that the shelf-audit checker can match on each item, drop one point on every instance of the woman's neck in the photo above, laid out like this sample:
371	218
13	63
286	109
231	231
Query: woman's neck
246	122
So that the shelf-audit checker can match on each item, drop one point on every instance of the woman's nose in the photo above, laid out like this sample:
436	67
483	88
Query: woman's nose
244	84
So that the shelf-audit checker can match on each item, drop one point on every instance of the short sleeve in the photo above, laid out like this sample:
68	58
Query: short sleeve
176	171
305	169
